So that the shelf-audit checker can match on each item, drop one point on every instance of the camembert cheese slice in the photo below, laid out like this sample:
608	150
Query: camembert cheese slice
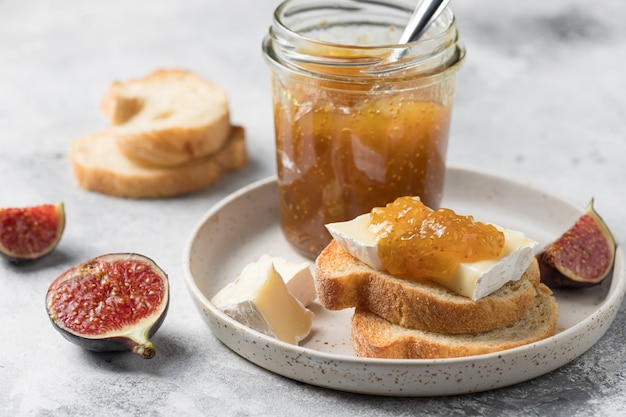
259	299
297	276
473	280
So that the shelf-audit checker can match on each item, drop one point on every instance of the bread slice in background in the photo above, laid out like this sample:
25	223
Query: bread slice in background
99	165
375	337
168	118
342	281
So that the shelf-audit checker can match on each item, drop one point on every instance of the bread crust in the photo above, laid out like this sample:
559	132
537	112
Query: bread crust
167	118
375	337
342	281
99	165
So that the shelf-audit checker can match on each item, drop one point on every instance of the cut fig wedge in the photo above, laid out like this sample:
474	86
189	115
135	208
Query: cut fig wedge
110	303
582	257
31	232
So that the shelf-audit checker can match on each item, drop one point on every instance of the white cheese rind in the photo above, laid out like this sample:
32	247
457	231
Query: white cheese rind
259	299
355	236
473	280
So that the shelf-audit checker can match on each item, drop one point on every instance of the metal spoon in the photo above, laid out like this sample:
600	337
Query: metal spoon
425	12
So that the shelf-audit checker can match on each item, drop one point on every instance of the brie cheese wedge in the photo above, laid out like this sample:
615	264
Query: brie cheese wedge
259	299
474	280
297	276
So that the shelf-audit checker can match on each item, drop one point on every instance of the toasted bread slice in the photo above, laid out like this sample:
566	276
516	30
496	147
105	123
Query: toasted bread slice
375	337
100	166
342	281
168	118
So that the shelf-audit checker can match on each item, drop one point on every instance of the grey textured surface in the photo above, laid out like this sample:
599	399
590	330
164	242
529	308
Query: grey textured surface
541	100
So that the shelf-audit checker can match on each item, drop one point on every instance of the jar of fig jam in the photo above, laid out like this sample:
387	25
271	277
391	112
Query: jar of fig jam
359	120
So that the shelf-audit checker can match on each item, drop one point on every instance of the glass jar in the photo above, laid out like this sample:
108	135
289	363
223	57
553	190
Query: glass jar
359	120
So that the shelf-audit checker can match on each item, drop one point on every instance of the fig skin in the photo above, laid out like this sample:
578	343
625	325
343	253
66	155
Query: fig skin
141	345
135	332
582	257
30	233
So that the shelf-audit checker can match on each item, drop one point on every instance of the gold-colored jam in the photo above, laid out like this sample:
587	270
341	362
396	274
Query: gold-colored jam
419	243
359	120
340	153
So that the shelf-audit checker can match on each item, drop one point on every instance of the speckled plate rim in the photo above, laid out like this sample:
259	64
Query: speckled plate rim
405	377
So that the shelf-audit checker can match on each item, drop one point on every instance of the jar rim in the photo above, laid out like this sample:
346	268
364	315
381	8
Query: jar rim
429	36
438	50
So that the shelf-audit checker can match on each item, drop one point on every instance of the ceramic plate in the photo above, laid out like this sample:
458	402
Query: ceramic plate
245	225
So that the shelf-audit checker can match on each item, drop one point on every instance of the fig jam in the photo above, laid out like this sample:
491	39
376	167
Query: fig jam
354	130
419	243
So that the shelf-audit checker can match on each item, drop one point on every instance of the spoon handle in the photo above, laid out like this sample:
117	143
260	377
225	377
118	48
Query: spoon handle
425	12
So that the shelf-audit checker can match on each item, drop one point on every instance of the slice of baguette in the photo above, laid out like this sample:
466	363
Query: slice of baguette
375	337
100	166
168	118
342	281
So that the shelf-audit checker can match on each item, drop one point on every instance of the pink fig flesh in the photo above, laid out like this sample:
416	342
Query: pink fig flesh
112	302
31	232
582	257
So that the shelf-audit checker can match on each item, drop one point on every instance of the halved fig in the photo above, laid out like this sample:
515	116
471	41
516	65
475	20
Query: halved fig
582	257
31	232
110	303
